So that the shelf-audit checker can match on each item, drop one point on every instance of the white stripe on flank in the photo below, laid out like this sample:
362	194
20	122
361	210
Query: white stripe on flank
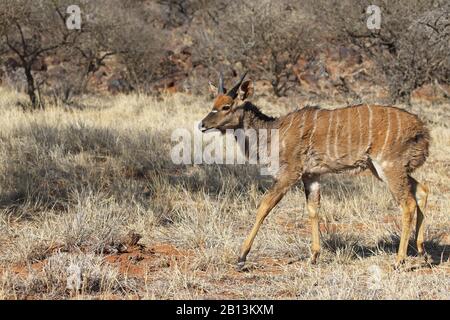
399	125
349	128
370	128
330	121
302	124
359	131
290	124
314	127
388	131
336	135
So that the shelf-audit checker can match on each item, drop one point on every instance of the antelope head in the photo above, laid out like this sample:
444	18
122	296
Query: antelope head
227	111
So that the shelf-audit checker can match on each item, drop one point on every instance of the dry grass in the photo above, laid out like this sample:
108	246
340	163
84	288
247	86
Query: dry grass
74	183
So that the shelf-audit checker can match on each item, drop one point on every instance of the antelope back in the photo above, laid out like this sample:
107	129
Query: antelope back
348	135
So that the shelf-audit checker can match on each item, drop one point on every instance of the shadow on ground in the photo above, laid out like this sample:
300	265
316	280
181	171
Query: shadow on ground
435	249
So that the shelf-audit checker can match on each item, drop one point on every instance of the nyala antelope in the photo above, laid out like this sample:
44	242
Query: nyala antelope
389	142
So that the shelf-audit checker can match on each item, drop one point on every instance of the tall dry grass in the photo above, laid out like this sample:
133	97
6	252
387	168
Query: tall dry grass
74	183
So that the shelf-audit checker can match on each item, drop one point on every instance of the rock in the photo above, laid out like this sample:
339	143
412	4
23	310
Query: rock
132	238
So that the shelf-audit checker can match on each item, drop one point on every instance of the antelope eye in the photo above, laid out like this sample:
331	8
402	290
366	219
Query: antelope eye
226	107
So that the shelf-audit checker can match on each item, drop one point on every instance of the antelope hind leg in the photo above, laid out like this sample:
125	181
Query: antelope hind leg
420	191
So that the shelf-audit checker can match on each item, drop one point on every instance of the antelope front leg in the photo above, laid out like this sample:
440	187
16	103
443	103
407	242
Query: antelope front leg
269	201
312	192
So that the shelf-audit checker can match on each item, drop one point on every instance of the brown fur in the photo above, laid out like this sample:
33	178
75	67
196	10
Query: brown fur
222	100
388	141
333	143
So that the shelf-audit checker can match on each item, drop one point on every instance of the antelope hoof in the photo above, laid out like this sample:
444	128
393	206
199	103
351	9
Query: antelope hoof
399	263
314	258
425	256
240	264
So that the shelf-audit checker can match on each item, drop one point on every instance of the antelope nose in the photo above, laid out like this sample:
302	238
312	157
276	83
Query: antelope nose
201	127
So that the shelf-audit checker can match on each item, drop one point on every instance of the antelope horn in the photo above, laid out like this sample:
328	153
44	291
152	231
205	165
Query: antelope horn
221	89
234	92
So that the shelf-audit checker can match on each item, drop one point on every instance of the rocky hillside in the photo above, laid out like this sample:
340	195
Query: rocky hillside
174	34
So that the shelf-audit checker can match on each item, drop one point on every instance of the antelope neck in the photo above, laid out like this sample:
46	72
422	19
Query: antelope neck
254	119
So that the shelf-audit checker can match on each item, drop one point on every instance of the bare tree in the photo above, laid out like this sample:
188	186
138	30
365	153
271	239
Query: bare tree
142	46
94	46
175	13
410	48
265	36
31	30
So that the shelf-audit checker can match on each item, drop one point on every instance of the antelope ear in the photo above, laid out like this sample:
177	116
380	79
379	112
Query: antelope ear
214	90
247	89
